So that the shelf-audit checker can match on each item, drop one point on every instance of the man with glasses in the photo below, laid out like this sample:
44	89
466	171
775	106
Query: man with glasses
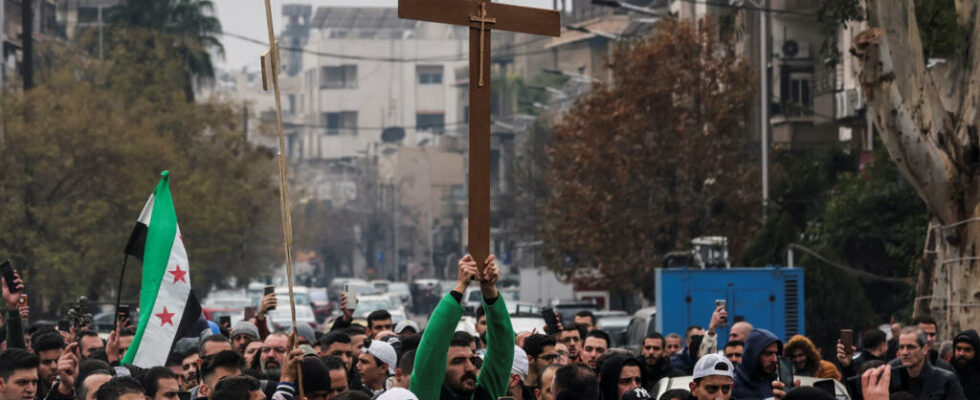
445	368
928	326
540	351
657	361
620	374
713	378
918	376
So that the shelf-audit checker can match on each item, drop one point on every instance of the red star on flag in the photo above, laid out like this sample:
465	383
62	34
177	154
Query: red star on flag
166	317
178	275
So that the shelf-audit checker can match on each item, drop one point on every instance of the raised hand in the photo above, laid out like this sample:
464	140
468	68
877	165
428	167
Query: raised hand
488	282
68	369
12	297
467	272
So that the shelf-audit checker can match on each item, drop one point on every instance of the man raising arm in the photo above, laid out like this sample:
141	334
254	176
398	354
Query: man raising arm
431	378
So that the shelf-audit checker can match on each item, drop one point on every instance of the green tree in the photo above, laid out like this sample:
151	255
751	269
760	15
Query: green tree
190	26
82	152
640	168
867	223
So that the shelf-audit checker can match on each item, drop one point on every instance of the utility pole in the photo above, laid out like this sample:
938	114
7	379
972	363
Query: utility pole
764	96
27	43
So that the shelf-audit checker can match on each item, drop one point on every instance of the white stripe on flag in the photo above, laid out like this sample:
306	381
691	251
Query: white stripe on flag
147	211
168	309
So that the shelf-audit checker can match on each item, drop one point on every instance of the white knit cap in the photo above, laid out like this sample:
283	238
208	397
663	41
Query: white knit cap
520	363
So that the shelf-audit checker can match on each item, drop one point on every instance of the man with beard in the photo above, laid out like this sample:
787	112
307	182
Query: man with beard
444	368
966	363
928	326
658	363
919	377
540	351
273	353
760	363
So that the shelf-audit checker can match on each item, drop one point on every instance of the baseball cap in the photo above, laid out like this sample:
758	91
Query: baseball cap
384	352
406	324
636	394
713	365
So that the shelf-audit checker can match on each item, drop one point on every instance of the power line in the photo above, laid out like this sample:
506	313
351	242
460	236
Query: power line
446	58
710	3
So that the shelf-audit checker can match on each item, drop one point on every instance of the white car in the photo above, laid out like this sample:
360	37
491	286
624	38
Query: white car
281	318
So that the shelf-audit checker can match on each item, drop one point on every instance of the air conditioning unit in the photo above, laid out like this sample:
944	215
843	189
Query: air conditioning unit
792	49
844	105
856	98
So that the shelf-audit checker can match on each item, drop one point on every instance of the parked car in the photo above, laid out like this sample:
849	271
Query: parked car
281	317
402	290
568	308
614	323
644	321
381	285
322	306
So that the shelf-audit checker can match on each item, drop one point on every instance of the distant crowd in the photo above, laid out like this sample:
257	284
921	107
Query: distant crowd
386	361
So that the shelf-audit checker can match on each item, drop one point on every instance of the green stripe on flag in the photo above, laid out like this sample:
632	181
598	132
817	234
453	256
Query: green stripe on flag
159	242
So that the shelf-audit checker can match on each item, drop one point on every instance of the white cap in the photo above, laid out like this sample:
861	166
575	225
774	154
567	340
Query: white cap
397	393
520	363
713	365
399	327
384	352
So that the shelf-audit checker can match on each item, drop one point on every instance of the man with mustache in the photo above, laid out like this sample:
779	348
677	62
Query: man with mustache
920	377
273	353
444	368
657	360
966	363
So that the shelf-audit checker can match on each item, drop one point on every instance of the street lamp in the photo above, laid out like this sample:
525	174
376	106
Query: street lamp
630	7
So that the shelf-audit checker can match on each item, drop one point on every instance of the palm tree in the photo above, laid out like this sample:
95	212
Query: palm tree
192	24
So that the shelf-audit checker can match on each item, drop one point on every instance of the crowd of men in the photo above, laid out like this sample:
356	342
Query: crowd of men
385	361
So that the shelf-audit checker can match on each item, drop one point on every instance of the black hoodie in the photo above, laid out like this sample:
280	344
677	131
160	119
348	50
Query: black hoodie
969	374
662	369
749	383
609	377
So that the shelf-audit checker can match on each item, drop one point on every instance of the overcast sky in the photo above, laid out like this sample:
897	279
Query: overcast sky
248	18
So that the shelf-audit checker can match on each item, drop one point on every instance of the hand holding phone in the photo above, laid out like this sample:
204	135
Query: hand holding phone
225	322
267	291
551	319
8	276
350	297
847	339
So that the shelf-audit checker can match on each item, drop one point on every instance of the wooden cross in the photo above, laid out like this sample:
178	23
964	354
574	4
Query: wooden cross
477	14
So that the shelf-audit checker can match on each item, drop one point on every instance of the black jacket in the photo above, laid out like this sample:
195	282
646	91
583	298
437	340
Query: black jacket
857	362
935	383
662	369
749	383
686	360
969	373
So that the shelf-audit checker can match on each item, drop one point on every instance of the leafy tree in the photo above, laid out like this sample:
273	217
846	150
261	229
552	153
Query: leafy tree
867	221
191	28
640	168
83	150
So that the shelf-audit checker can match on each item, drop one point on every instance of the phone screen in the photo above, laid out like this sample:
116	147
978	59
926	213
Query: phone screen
267	291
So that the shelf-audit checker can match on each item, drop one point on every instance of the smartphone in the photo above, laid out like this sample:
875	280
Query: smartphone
249	313
122	312
8	275
224	320
267	291
722	303
22	301
551	319
826	385
64	326
847	339
351	292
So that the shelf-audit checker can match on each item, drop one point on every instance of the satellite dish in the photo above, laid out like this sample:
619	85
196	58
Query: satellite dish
393	134
791	48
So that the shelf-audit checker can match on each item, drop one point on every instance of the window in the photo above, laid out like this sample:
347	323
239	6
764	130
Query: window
433	122
337	123
292	103
799	101
429	74
339	77
88	15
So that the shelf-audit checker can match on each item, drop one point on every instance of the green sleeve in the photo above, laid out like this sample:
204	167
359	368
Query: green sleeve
495	374
430	358
15	331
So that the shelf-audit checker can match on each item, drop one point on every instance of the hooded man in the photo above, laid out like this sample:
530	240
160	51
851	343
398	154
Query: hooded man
759	366
658	362
620	374
966	363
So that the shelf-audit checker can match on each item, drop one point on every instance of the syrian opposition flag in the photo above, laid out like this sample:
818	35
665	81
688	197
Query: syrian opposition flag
168	307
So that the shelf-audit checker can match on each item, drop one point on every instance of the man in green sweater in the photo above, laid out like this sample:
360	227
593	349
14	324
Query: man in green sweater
445	370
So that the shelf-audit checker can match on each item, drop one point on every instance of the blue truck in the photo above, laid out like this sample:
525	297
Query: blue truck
768	297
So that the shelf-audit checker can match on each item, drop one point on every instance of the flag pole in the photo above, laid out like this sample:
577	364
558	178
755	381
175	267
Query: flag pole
122	274
287	224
